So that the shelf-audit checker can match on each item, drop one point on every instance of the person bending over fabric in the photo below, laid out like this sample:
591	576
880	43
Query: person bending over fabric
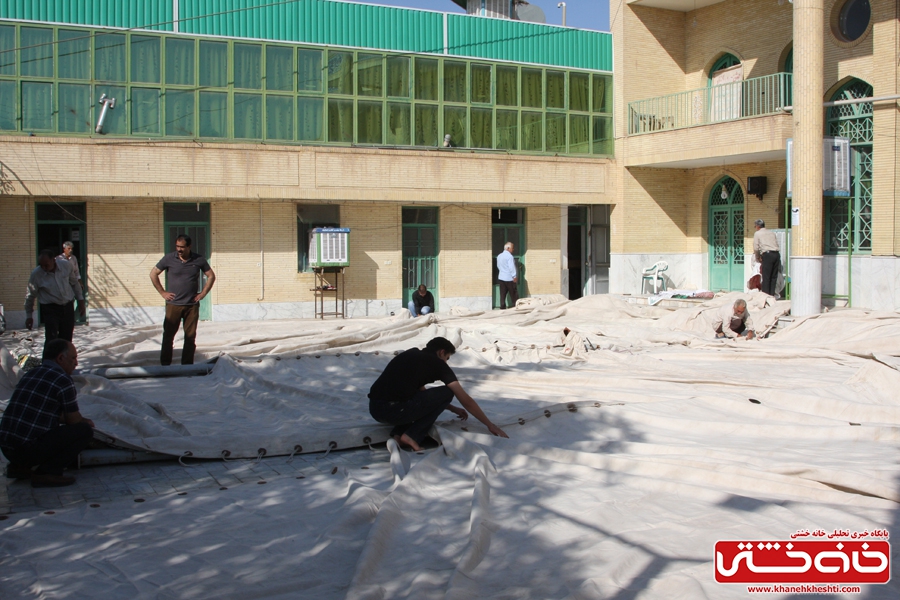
182	299
42	425
734	321
399	398
422	302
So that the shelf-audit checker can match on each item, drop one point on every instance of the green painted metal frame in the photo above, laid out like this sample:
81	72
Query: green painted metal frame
596	120
336	24
754	97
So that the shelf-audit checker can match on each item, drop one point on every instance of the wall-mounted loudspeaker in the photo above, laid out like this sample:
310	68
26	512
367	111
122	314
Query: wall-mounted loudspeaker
757	186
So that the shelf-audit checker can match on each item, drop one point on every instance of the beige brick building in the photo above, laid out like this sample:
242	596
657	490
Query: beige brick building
701	103
703	96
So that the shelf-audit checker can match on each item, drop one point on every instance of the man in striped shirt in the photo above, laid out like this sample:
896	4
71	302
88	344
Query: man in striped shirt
42	426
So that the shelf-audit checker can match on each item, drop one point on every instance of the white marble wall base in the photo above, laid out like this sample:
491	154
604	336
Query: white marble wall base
875	280
15	319
264	311
686	271
806	285
472	303
141	315
363	307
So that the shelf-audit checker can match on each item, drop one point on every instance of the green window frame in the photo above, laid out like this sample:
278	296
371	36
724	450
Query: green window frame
184	86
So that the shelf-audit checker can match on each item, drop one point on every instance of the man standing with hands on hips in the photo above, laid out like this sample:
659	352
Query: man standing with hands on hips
182	298
508	276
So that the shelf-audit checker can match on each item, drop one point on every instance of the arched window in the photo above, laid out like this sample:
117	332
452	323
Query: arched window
725	61
789	61
848	223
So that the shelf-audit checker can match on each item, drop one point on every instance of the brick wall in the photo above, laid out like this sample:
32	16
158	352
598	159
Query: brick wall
465	251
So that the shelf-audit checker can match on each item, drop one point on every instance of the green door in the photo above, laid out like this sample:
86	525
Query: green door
726	236
420	250
508	225
191	220
57	223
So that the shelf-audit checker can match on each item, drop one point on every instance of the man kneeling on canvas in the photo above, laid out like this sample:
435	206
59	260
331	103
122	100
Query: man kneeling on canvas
734	321
399	398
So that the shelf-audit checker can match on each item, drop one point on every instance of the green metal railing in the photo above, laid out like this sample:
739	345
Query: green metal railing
715	104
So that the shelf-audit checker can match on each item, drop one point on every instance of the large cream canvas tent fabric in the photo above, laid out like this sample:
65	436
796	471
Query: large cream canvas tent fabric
636	442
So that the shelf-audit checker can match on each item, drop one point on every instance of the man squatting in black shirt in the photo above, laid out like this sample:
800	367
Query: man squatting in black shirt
399	398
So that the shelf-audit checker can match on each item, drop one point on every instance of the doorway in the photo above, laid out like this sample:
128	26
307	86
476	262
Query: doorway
191	220
726	236
64	222
588	250
508	225
420	251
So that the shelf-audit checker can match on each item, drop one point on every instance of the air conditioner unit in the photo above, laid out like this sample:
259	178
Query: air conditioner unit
329	247
837	166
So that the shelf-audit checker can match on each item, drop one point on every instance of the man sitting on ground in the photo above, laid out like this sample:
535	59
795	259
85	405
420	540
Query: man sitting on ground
422	302
734	321
399	398
42	426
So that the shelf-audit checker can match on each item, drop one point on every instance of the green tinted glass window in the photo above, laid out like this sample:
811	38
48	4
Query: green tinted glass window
532	88
481	132
74	52
280	69
37	106
74	108
109	57
248	66
426	125
579	91
532	131
398	76
369	75
7	50
507	85
340	121
8	105
426	79
481	84
455	125
507	130
602	94
145	59
556	89
369	123
309	70
180	113
116	121
556	133
603	135
248	116
398	125
280	117
454	81
145	111
340	72
213	64
179	61
37	52
310	119
213	114
579	134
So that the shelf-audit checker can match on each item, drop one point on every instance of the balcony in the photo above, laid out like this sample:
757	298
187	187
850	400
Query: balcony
744	99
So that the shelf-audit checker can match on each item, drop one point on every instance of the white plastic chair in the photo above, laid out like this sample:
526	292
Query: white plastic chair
652	274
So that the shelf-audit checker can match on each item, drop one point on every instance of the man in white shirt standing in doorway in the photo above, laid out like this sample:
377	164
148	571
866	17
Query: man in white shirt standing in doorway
509	278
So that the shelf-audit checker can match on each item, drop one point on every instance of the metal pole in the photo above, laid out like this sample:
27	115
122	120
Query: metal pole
562	5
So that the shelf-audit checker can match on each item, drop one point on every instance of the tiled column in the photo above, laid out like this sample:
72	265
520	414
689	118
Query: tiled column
806	169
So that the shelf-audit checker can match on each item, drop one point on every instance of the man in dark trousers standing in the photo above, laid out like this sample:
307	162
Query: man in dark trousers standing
182	298
399	398
765	246
42	426
55	287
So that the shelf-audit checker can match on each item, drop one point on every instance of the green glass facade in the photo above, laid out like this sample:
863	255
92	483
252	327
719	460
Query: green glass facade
235	89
